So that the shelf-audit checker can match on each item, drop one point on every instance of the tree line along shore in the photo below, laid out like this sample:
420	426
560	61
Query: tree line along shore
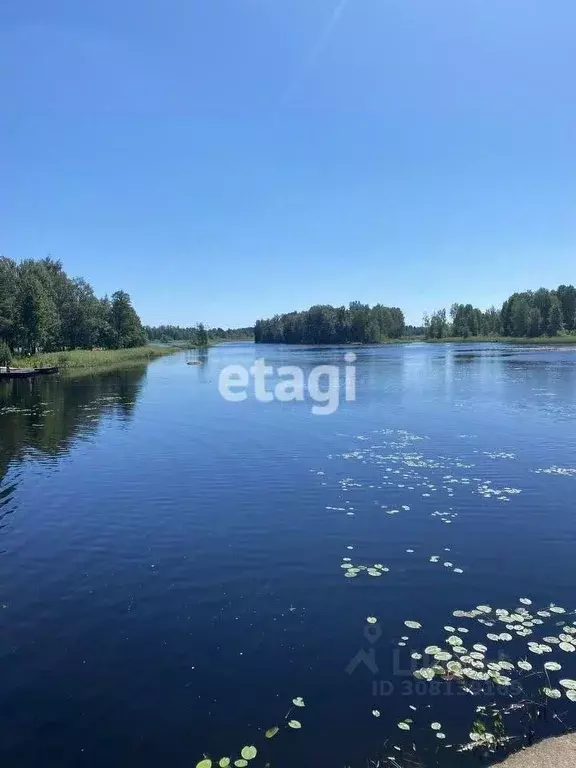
50	319
532	316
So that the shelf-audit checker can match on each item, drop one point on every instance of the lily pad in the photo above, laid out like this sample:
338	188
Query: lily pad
204	764
271	732
249	753
294	724
298	701
552	693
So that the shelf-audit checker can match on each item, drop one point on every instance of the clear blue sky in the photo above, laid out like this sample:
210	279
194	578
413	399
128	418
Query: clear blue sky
223	160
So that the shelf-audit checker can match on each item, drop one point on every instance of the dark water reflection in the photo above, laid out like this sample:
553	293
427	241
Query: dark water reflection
170	563
43	418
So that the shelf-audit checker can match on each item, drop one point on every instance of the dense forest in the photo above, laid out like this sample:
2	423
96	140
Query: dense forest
523	315
41	308
324	324
166	334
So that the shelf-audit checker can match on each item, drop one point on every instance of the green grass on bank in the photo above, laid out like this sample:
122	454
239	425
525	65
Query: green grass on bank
503	340
87	359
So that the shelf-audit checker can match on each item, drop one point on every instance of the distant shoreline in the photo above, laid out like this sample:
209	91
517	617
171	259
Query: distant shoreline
500	340
538	340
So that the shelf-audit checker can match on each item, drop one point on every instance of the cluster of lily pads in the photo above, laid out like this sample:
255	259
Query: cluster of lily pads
502	494
561	471
447	516
403	469
498	454
351	570
452	660
446	563
249	752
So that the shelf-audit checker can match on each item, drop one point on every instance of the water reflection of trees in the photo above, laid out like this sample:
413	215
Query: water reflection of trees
45	416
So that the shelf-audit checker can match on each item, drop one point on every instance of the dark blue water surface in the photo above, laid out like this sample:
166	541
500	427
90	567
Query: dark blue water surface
170	562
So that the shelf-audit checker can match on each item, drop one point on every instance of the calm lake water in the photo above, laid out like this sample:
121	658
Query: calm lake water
171	563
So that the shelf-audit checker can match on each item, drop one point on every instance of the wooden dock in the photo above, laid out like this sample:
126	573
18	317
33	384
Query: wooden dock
26	373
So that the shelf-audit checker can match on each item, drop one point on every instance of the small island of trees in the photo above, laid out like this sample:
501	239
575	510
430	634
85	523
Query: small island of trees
324	324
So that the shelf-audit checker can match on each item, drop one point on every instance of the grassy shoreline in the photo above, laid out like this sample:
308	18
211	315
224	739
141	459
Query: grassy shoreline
87	359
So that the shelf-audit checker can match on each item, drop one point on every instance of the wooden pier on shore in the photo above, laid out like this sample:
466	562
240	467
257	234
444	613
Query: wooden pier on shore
26	373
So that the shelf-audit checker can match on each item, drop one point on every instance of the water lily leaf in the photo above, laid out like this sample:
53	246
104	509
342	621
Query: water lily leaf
204	764
294	724
271	732
436	726
249	753
431	650
371	619
241	763
376	712
552	666
413	624
298	701
224	762
571	694
404	726
552	693
557	609
567	683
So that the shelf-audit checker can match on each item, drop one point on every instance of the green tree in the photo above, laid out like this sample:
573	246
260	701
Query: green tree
5	354
373	332
436	325
567	296
520	317
555	317
534	322
8	293
125	322
202	335
542	299
35	312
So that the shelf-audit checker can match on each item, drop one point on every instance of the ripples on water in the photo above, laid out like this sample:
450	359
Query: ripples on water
176	569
